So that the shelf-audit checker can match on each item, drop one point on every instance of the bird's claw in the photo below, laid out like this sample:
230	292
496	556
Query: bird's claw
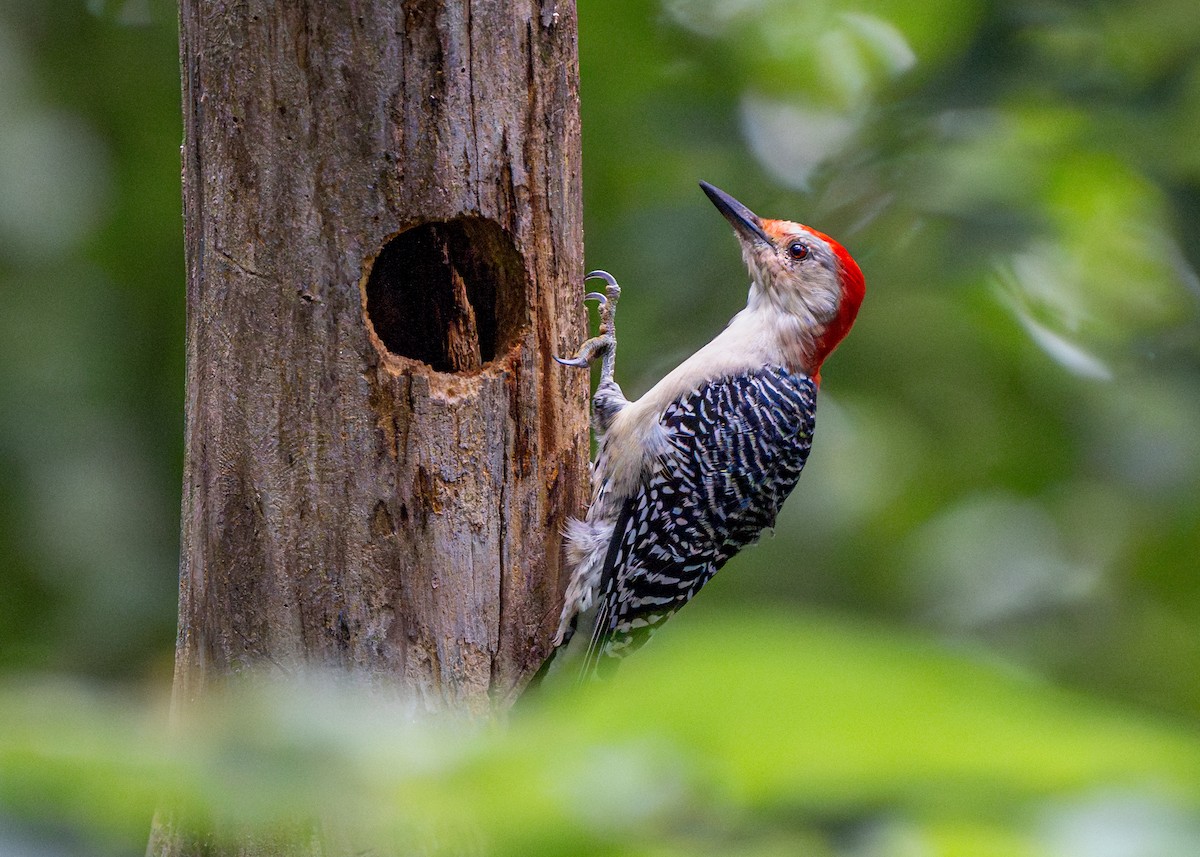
612	289
577	362
604	343
598	274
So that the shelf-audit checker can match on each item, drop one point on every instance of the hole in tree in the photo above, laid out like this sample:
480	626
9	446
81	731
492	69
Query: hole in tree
448	293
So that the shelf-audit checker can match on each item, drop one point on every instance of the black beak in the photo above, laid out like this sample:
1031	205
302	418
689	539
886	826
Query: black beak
744	221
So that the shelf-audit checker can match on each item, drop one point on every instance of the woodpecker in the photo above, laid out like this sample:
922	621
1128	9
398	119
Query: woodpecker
694	470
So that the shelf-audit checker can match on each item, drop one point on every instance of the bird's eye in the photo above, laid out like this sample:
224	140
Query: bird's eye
798	250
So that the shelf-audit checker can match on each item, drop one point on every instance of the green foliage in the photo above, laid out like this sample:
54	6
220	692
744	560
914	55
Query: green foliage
1001	450
1006	460
742	735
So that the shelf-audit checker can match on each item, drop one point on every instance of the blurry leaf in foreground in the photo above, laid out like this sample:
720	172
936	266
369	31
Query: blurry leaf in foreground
743	729
824	712
1115	824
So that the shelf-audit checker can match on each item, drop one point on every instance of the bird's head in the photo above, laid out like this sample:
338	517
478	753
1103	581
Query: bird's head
799	272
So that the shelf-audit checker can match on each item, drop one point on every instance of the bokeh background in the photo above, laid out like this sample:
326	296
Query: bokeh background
1006	474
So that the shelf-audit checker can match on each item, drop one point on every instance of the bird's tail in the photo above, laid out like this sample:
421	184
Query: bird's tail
548	666
582	656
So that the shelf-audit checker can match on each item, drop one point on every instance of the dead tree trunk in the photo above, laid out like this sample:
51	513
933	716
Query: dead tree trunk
384	244
384	247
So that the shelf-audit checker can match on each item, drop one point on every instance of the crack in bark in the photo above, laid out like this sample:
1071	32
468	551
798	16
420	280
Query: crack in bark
245	269
503	565
474	109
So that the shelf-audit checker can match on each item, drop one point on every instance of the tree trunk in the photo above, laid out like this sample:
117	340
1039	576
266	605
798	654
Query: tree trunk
384	245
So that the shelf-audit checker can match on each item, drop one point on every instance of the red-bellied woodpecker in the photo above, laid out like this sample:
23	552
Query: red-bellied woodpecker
694	470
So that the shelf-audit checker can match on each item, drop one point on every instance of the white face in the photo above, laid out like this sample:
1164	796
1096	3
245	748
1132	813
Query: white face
797	272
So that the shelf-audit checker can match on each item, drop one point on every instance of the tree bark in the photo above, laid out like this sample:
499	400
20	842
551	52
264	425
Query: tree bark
383	233
384	245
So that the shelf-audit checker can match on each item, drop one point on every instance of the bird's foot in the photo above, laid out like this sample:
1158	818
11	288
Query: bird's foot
603	345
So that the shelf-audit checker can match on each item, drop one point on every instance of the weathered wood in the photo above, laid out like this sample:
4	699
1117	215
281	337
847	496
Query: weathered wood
384	246
398	515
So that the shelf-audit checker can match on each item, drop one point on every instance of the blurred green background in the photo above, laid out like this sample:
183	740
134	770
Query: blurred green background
1006	474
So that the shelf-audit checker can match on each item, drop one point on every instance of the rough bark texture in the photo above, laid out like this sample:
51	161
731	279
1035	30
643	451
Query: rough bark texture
384	247
383	227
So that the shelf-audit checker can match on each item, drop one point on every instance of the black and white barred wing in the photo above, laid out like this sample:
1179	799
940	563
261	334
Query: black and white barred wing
738	446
